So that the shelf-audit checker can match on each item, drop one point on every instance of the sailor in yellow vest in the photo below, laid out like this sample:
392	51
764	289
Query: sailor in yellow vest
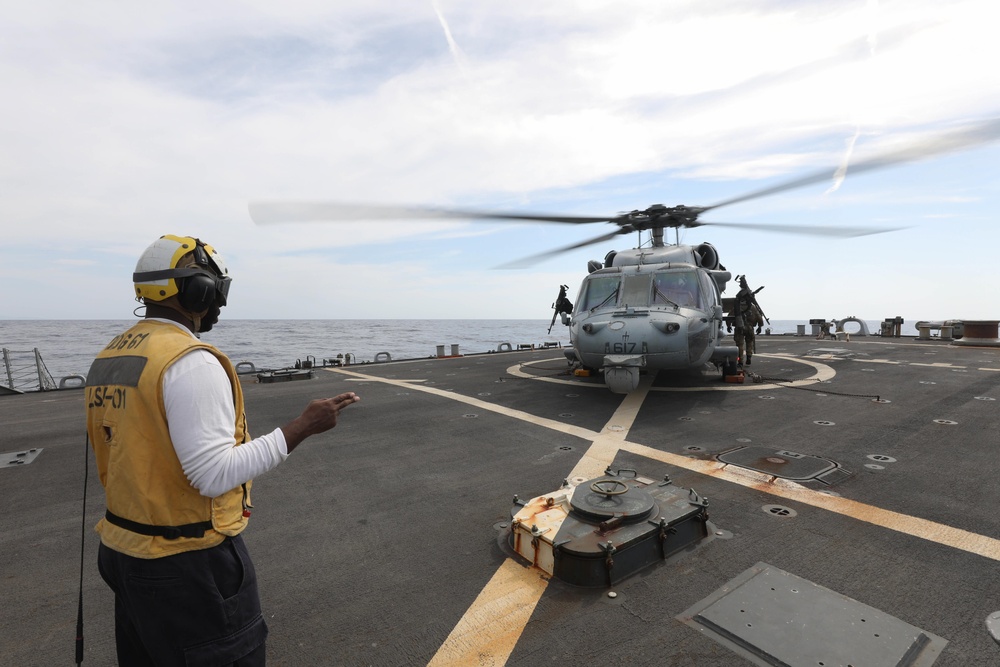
166	421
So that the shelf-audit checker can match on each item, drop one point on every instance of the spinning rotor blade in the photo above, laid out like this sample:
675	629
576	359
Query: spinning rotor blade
812	230
534	259
264	213
969	137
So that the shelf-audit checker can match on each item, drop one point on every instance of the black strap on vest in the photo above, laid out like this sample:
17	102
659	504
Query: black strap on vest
166	532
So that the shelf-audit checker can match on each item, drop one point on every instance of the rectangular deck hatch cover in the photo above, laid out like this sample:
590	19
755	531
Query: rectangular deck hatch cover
772	617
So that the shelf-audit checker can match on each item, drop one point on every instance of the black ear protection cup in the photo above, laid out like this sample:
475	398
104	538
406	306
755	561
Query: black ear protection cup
197	293
201	291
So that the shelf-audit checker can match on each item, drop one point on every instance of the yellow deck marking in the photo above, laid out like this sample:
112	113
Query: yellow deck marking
552	424
489	630
956	538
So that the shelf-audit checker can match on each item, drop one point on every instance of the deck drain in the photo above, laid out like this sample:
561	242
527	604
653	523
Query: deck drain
823	422
945	422
565	448
881	458
470	415
694	448
780	510
565	414
685	419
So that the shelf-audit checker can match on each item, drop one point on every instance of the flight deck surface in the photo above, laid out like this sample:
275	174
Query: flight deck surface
864	471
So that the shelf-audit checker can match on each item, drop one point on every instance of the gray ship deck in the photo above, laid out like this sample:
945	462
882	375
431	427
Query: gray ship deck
377	543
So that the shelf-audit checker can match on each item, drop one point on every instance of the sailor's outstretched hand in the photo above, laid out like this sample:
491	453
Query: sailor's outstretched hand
319	415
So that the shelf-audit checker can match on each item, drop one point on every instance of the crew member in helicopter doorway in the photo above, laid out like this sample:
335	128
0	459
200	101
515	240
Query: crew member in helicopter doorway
165	416
745	318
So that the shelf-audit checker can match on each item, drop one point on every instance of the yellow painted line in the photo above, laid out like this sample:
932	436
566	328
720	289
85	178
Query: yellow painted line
552	424
489	630
956	538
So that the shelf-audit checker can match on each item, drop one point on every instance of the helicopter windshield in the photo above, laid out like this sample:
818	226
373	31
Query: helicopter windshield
679	288
599	291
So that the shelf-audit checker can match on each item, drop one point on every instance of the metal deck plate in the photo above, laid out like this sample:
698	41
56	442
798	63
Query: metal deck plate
14	459
778	462
772	617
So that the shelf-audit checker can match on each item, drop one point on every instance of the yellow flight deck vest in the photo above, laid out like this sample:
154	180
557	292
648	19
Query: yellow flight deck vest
152	509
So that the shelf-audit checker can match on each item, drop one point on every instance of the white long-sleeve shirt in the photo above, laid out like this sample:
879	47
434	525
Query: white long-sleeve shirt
201	417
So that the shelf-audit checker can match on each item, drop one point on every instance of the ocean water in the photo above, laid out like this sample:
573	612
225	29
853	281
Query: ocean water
68	347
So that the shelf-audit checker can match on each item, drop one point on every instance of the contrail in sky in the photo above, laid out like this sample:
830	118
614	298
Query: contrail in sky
841	173
452	46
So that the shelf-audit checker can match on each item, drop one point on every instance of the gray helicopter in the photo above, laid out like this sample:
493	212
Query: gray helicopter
658	306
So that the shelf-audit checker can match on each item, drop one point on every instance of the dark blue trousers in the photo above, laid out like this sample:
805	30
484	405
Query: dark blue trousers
198	608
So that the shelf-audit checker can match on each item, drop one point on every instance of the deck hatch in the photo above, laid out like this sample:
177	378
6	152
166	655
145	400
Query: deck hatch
778	462
772	617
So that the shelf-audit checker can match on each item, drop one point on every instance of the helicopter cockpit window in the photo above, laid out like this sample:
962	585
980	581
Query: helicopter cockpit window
635	290
679	288
599	291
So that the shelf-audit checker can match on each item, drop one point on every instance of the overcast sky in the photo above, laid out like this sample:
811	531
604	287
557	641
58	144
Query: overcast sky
121	122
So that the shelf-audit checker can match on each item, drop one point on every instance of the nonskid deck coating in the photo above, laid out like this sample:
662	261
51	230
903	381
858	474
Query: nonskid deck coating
378	542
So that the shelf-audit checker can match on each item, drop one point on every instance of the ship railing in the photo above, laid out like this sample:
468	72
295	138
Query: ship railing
25	371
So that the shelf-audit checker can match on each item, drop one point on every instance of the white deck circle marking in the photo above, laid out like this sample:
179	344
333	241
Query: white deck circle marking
823	373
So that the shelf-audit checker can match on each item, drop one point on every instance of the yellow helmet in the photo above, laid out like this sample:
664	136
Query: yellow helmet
182	266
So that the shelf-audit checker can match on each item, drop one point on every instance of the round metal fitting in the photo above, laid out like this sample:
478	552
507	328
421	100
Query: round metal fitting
780	511
565	414
470	415
743	440
985	398
945	422
484	393
572	395
927	382
881	400
694	448
766	398
822	422
685	419
874	466
881	458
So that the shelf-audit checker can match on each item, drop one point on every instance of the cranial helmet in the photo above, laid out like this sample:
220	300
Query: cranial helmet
185	267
